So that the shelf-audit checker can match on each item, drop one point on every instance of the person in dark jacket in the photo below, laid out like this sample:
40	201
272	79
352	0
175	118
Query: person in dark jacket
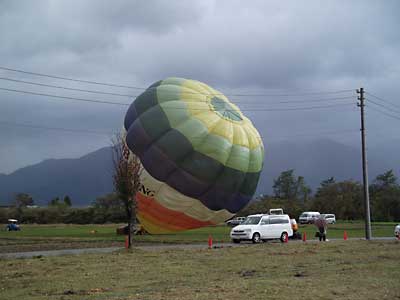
322	226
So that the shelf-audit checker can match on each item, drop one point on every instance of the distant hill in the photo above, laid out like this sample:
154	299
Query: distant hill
83	179
90	176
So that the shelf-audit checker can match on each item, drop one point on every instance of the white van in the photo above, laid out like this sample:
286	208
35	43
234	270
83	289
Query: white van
330	218
308	217
262	227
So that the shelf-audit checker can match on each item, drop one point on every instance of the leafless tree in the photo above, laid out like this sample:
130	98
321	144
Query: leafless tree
126	179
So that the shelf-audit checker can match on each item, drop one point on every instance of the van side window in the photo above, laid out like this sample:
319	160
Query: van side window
285	220
274	221
278	220
264	221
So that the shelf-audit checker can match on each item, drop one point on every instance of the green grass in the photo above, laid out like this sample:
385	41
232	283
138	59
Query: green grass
340	270
59	236
353	229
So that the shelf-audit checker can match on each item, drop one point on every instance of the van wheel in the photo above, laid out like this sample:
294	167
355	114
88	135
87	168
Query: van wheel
256	238
284	236
236	241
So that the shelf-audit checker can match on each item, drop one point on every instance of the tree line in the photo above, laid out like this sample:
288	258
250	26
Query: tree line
342	198
105	209
290	192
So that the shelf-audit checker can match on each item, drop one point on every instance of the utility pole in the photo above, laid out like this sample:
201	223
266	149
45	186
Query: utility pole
367	213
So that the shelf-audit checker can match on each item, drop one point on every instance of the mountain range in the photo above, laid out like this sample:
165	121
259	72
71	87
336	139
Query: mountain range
90	176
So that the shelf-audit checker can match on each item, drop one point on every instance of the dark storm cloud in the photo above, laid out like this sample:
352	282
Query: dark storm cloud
231	45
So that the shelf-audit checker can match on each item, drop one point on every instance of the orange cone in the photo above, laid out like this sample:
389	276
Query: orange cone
345	235
304	237
210	241
286	238
126	242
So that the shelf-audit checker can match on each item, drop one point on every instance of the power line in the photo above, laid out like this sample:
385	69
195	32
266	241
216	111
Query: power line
384	106
105	133
127	104
297	108
387	114
302	101
384	100
133	96
64	97
322	133
26	125
65	88
72	79
144	88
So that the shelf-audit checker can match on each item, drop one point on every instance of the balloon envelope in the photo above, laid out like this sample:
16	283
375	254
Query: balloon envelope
201	156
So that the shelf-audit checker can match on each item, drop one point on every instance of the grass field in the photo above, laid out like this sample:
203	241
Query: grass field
337	270
61	236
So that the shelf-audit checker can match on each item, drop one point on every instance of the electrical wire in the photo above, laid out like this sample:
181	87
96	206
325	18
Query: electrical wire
384	106
126	104
384	100
26	125
66	88
144	88
321	133
133	96
64	97
387	114
105	133
72	79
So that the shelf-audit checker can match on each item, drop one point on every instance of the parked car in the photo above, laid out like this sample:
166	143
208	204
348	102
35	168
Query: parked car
236	221
397	231
262	227
308	217
12	225
330	218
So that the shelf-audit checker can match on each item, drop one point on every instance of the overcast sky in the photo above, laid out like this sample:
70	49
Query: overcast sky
247	47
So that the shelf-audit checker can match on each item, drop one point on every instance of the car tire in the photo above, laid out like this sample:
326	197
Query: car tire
236	241
284	236
256	238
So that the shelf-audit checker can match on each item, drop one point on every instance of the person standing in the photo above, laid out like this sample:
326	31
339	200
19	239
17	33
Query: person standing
321	224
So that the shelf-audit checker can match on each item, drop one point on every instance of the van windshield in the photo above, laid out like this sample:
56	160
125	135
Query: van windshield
251	221
303	215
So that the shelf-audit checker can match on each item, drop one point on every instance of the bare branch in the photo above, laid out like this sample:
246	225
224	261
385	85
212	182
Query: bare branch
126	178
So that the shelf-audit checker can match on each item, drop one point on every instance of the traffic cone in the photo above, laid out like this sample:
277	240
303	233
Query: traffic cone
304	237
345	235
286	238
126	242
210	241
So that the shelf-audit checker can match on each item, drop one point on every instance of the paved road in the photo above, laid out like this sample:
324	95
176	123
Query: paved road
158	247
57	252
147	248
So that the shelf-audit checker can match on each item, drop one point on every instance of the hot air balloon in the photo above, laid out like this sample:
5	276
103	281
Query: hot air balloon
201	156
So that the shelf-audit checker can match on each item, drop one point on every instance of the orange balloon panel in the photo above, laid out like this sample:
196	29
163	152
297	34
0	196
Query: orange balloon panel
158	219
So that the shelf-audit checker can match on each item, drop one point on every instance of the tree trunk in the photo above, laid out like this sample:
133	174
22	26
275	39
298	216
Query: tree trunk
129	212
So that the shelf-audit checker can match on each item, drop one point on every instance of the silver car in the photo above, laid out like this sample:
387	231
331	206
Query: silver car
330	218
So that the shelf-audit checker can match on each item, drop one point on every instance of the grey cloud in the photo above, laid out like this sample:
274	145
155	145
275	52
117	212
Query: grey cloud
231	45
